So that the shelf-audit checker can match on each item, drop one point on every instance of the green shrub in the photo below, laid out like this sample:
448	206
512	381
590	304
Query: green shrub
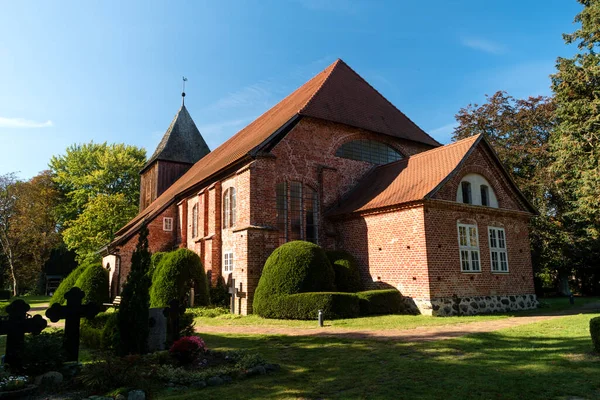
42	353
172	278
347	275
154	261
110	333
67	284
94	283
295	267
219	294
134	310
307	305
379	302
92	331
5	294
595	332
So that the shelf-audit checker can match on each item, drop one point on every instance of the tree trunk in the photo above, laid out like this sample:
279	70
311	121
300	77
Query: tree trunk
12	272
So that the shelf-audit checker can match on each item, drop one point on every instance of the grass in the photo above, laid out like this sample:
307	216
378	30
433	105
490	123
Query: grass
546	360
220	317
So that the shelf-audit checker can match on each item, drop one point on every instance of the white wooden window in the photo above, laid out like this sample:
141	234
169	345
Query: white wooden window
468	244
167	224
227	262
498	254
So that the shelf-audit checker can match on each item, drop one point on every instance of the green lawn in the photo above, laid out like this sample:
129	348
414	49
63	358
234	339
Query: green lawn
388	321
546	360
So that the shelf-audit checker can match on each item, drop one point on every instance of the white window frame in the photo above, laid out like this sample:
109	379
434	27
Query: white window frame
228	265
469	254
498	250
168	224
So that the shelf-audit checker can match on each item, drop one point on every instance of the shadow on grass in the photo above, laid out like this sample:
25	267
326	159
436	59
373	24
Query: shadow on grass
480	366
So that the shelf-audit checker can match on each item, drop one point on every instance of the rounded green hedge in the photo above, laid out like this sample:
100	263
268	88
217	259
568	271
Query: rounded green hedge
595	332
295	267
172	277
67	284
379	302
154	261
100	332
306	306
94	283
347	275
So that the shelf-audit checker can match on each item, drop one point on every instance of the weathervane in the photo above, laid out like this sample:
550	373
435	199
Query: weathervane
183	91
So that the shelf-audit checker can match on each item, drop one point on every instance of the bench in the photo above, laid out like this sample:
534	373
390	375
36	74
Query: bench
115	303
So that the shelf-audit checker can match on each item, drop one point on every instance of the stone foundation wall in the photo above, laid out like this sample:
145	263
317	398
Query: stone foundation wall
448	306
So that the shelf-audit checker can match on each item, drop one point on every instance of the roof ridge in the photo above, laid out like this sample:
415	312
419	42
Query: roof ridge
387	101
333	66
440	148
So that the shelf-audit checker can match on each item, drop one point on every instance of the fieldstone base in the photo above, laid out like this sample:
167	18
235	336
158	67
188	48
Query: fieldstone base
444	307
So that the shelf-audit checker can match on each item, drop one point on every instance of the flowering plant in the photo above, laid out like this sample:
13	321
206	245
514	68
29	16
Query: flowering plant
187	349
13	382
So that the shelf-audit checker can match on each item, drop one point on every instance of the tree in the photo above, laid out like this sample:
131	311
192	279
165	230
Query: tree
520	132
576	142
27	226
99	186
135	301
8	200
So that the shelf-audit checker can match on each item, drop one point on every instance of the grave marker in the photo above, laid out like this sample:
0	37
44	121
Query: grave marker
173	314
72	313
16	326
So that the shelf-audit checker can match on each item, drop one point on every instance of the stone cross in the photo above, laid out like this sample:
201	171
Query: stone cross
233	292
15	327
173	314
72	313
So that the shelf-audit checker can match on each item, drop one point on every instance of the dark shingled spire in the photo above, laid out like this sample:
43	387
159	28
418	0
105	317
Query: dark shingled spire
182	142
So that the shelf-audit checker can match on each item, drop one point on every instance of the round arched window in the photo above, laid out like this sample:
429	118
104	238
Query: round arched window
369	151
475	189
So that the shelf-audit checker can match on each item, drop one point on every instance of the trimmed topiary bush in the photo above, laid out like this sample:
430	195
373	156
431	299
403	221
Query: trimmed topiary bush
172	278
305	306
154	261
379	302
94	283
67	284
295	267
347	275
595	332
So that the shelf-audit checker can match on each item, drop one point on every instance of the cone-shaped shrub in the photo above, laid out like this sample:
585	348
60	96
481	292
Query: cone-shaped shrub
347	276
133	314
295	267
174	275
67	284
94	283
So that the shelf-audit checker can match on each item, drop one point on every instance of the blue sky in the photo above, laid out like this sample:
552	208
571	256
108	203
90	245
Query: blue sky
73	72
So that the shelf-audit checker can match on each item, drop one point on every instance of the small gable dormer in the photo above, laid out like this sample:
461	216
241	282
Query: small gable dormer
181	147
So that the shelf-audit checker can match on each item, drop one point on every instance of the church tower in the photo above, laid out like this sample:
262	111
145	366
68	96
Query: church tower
180	148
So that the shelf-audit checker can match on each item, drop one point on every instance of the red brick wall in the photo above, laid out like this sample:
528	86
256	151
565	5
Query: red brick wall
158	240
446	278
390	249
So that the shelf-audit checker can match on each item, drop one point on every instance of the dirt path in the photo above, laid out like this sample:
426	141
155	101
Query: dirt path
420	334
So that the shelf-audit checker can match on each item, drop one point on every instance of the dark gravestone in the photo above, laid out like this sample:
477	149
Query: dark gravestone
15	327
72	313
173	314
233	292
158	330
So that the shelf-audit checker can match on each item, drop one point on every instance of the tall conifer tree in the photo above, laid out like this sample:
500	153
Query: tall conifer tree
135	301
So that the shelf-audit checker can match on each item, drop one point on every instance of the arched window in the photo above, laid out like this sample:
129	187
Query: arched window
369	151
229	208
297	212
475	189
195	220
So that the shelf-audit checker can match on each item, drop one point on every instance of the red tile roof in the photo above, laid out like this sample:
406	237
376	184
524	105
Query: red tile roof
336	94
407	180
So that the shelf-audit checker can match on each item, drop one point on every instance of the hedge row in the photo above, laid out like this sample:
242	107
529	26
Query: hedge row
347	275
334	305
100	332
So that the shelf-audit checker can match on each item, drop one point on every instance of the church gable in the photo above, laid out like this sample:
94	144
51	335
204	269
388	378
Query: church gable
480	179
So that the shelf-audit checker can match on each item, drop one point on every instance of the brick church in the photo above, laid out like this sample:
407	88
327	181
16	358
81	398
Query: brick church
337	164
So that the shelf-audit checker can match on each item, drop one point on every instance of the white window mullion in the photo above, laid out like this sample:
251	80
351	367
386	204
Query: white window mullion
498	253
468	243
